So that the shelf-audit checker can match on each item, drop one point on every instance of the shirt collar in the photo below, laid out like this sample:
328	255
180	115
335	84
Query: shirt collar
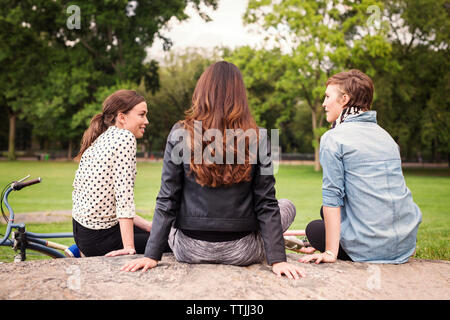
368	116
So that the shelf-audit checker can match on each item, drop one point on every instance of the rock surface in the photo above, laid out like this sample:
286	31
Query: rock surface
100	278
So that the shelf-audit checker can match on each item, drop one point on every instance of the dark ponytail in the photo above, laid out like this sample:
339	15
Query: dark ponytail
120	101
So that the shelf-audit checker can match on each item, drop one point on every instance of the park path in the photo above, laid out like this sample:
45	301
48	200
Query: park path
42	217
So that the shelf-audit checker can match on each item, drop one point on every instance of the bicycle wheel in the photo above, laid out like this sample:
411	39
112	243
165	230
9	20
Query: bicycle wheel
45	250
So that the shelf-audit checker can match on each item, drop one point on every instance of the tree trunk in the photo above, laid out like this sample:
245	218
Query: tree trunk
69	152
149	148
433	150
316	156
316	141
12	137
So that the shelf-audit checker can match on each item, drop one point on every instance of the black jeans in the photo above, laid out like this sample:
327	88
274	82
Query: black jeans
100	242
315	232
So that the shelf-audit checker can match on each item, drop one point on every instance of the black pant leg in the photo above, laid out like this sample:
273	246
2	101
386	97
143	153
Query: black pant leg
315	232
140	239
100	242
97	242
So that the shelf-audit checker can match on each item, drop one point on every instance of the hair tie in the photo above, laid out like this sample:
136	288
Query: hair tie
102	117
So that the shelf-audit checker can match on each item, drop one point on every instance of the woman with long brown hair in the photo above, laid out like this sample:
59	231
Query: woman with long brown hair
218	205
104	219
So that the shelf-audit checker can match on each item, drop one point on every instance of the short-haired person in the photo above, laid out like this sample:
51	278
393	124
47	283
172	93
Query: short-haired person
104	219
368	212
211	212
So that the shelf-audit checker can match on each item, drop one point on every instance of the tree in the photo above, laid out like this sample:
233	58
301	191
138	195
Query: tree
262	71
96	43
412	101
115	35
271	104
23	63
83	117
67	88
178	77
320	38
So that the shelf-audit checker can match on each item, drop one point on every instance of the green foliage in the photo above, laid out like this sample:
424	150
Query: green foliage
412	103
67	89
314	39
53	79
82	118
23	52
23	59
261	70
318	132
178	77
50	72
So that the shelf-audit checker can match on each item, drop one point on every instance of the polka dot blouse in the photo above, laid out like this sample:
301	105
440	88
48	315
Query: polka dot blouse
104	182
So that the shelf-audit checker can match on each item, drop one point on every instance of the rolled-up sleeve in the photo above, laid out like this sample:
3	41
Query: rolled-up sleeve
333	190
167	202
124	174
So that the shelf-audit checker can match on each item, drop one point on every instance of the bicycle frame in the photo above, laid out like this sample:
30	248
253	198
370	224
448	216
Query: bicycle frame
23	240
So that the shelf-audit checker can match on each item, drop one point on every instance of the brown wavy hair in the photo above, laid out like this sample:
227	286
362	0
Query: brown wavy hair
220	102
120	101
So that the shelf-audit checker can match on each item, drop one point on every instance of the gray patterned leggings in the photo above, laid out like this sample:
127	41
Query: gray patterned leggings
241	252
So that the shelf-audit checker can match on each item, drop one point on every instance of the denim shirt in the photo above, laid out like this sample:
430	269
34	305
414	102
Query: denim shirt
362	174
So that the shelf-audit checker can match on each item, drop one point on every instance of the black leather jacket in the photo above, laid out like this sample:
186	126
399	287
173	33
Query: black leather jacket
246	206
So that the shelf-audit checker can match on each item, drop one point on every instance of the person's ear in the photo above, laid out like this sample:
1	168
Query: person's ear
120	119
345	99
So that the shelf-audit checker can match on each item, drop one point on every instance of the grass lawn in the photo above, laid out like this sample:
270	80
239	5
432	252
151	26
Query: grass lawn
300	184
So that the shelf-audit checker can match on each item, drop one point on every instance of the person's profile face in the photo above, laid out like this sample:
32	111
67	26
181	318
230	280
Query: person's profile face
136	120
333	103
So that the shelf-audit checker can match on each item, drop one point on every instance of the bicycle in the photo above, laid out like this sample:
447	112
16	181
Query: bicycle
22	240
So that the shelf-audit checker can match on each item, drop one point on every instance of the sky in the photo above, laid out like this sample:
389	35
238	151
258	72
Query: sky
225	29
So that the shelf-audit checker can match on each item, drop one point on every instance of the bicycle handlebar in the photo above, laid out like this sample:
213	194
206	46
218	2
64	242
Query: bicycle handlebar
11	217
19	185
